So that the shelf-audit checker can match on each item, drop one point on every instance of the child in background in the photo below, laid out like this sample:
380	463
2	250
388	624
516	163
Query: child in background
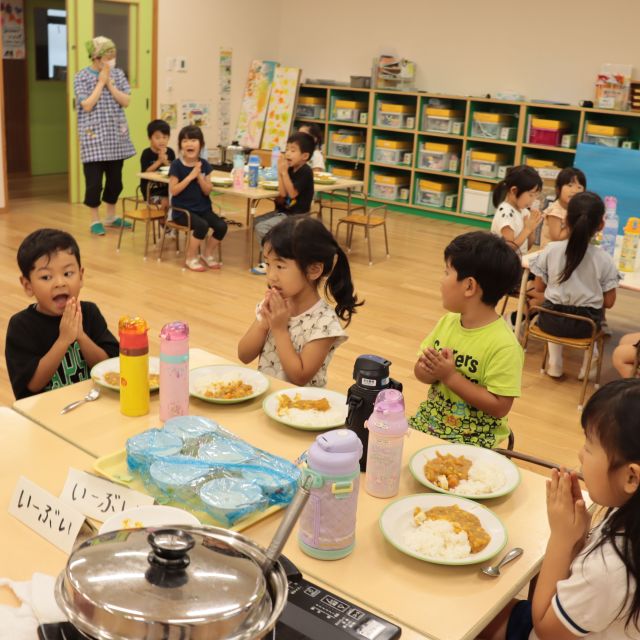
569	182
157	154
626	356
471	360
588	583
56	341
513	197
317	159
190	187
296	332
295	188
576	277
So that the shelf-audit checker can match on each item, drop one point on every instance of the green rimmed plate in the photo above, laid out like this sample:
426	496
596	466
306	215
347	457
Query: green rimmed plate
203	379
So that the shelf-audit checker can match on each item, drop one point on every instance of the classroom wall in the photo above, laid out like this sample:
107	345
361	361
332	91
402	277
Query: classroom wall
542	48
195	30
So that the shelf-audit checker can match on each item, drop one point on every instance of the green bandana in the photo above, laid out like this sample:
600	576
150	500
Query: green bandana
99	46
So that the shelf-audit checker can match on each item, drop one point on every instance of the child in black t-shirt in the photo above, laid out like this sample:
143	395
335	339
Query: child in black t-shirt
158	154
56	341
295	187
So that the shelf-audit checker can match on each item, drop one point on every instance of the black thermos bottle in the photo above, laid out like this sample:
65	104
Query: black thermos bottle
371	374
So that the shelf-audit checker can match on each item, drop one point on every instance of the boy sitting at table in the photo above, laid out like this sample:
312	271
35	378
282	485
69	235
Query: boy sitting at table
54	342
471	359
158	154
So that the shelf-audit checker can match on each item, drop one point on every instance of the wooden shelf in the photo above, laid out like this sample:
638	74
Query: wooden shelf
507	143
481	179
387	165
396	129
446	174
344	123
435	134
310	120
546	147
339	159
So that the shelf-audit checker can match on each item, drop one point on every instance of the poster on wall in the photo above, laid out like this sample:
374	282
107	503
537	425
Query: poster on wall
281	104
224	96
12	15
169	113
253	110
195	113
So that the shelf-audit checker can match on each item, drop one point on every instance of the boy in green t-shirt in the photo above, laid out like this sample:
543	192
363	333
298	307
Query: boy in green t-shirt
471	359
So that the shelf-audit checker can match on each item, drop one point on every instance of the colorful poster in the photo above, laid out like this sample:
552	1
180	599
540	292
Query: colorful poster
12	14
169	113
224	96
254	103
281	104
196	113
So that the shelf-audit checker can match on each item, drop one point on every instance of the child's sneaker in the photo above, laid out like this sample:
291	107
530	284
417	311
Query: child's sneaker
592	372
117	223
604	327
260	269
97	228
554	369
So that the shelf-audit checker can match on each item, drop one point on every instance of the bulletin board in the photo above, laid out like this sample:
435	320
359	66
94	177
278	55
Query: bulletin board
281	105
612	171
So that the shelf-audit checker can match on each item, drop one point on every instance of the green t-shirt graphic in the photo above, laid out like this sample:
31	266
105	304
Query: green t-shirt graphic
489	356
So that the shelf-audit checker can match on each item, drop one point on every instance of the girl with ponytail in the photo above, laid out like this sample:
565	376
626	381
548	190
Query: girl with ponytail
576	277
296	331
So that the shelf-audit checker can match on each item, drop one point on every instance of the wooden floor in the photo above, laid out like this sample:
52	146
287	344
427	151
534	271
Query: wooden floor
401	293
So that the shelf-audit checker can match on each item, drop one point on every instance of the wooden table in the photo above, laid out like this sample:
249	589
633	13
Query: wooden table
253	195
444	603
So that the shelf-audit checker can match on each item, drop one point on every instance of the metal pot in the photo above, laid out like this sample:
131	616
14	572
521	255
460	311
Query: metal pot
186	583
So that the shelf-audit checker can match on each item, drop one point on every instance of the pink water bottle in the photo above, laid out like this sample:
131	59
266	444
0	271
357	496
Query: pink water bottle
327	528
387	428
174	370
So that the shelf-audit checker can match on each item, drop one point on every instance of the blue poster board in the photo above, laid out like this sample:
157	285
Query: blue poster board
612	171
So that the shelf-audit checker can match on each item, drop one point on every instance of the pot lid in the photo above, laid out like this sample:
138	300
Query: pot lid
187	576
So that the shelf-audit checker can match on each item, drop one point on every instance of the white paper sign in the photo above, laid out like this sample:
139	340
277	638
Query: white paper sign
99	498
50	517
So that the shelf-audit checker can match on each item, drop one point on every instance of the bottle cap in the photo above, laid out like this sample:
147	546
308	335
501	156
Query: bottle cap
175	331
133	332
336	452
388	415
254	159
633	226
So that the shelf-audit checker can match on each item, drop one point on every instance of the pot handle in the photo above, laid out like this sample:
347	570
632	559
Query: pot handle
289	520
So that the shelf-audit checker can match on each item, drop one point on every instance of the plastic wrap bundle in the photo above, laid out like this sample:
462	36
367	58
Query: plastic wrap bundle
195	463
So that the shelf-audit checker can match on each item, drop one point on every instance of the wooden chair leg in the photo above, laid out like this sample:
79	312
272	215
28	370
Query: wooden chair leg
545	353
146	237
121	230
600	344
164	235
368	232
386	239
585	382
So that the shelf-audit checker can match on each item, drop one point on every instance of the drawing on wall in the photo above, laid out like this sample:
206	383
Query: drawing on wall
169	113
224	99
281	104
254	103
12	14
195	113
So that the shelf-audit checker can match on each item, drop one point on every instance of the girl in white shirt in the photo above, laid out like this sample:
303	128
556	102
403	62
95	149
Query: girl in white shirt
576	277
587	586
317	159
569	182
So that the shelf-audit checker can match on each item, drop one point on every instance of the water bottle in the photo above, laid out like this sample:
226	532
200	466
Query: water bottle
174	370
238	171
387	428
610	231
275	156
327	527
254	170
630	242
134	366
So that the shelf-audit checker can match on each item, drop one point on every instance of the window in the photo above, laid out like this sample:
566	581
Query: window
118	21
50	32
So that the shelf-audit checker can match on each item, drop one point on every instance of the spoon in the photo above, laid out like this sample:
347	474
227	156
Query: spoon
94	394
494	570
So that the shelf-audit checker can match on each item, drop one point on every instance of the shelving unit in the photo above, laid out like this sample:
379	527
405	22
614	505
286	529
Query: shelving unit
417	128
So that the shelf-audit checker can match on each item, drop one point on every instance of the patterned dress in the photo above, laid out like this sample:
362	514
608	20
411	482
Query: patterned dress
103	131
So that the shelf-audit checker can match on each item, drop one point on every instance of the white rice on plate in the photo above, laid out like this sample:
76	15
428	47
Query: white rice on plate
437	539
315	418
483	478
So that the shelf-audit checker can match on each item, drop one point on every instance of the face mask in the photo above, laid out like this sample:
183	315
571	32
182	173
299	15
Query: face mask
111	63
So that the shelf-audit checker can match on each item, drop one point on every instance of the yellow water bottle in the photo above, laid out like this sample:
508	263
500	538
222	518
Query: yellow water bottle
630	242
134	366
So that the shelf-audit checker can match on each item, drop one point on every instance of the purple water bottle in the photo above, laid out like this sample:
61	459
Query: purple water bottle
387	428
327	527
174	370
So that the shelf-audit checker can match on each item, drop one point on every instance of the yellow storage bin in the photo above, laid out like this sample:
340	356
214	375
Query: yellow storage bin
311	107
431	193
438	156
539	163
443	113
390	187
485	164
392	151
349	174
441	147
496	126
398	116
386	179
479	186
488	156
553	125
348	110
432	185
441	120
346	145
311	100
350	104
605	130
477	198
496	118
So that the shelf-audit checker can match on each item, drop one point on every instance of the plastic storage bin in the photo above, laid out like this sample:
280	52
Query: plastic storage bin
399	116
540	163
310	107
432	193
346	145
390	187
604	135
392	151
349	174
496	126
439	157
441	120
348	110
485	164
548	132
476	198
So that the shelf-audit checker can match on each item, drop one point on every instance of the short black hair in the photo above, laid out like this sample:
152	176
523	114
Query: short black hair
45	242
158	125
191	132
567	176
487	258
305	142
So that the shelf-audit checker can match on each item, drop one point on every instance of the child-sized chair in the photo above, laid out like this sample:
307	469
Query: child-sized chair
142	211
532	330
369	219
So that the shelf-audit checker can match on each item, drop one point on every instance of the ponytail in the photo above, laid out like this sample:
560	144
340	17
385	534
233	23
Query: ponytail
584	217
522	177
339	287
499	193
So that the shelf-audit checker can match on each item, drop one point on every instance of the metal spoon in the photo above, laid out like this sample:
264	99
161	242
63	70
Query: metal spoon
94	394
494	570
